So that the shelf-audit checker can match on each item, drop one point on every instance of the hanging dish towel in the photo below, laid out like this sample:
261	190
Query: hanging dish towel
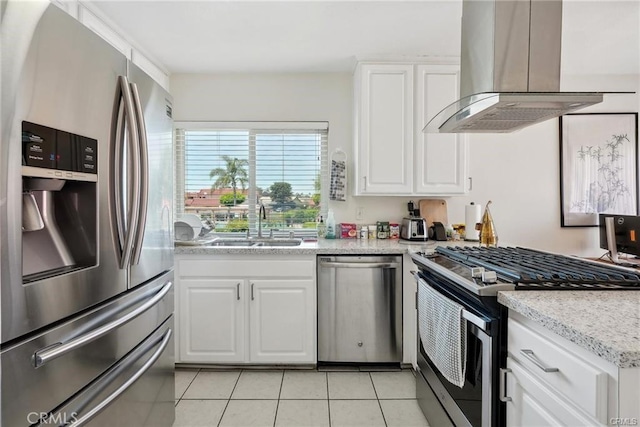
338	184
443	332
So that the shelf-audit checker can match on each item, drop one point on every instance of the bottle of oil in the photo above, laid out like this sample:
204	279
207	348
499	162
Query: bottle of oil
488	234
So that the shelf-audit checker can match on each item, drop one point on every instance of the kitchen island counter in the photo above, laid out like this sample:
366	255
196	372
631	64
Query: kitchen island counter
606	323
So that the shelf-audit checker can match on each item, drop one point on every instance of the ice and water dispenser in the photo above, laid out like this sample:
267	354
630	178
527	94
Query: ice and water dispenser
59	202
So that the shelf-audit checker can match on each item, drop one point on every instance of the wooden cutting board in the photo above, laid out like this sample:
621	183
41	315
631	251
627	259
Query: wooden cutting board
434	210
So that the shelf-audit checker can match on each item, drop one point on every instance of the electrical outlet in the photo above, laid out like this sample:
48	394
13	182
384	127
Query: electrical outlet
359	212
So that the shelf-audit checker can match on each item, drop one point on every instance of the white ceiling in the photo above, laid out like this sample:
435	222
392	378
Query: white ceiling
599	36
294	36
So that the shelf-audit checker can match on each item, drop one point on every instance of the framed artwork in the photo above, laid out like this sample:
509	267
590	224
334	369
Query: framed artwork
598	167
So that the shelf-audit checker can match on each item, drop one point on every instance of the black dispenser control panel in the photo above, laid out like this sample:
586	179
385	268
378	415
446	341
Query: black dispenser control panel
45	147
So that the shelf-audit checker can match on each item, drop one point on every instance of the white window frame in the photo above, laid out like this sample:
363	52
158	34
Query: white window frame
252	127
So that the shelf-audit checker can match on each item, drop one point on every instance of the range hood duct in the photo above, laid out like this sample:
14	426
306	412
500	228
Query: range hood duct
509	68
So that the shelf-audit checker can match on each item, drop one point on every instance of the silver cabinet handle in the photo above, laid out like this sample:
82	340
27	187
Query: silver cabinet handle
365	183
252	291
54	351
359	264
238	291
113	396
470	183
503	385
533	359
143	164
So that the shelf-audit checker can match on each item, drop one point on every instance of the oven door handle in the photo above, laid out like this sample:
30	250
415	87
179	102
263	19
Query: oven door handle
479	322
56	350
467	315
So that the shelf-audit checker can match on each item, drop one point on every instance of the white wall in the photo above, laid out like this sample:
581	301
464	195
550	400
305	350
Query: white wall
519	171
284	97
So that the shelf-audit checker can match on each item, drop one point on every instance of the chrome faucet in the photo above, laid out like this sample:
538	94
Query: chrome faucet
262	214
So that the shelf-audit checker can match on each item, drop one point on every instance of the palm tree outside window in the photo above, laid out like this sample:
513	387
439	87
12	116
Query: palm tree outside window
233	174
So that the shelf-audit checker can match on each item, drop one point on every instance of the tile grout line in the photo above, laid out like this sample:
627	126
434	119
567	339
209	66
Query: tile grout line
278	401
188	385
378	399
229	399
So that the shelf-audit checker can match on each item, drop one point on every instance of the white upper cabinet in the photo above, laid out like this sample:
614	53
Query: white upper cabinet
440	158
392	156
384	129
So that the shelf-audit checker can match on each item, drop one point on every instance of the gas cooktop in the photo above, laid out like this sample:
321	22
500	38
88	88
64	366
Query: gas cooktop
485	271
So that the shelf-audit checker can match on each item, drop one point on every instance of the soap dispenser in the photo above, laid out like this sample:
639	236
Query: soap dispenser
321	228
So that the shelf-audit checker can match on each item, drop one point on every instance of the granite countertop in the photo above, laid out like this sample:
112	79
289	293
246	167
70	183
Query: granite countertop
326	247
606	323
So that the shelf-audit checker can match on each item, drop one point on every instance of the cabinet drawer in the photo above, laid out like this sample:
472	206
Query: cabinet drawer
576	379
533	404
247	267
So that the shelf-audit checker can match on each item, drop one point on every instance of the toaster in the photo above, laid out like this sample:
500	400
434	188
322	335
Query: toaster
414	228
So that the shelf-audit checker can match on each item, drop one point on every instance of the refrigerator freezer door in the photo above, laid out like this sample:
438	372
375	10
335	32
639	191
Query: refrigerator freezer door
153	253
67	81
84	349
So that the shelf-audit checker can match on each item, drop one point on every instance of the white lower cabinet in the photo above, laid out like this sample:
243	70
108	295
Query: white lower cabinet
212	320
265	315
550	381
282	321
533	404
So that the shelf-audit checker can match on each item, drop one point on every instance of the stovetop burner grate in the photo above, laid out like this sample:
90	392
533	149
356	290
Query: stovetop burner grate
532	269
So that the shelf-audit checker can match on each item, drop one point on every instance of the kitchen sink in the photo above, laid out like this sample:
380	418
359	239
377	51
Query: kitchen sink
228	242
252	243
279	242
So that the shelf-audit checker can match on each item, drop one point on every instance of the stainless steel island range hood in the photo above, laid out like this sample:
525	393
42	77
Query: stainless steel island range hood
510	68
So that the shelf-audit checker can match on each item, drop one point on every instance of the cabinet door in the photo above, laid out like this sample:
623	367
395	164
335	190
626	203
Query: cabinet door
440	159
212	314
384	129
533	404
282	317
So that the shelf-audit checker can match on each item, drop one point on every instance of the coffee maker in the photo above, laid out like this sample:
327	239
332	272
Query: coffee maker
413	227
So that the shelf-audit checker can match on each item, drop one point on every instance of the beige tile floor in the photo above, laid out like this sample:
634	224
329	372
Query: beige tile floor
251	398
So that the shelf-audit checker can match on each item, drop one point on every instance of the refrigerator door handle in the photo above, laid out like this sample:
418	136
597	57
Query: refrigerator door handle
144	175
115	168
164	341
132	194
56	350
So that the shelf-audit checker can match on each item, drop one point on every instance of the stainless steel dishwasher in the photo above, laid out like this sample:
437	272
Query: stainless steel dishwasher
360	309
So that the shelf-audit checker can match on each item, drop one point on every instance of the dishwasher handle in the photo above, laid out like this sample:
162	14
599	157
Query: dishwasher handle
331	264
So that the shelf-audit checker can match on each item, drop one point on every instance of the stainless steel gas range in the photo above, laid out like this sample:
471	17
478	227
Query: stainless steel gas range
469	278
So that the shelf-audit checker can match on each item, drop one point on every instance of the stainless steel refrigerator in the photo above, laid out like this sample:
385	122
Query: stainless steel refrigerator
86	256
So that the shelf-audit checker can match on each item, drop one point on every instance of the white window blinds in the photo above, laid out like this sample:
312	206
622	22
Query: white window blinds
225	171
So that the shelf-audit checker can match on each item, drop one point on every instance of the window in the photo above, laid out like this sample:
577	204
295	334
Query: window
226	171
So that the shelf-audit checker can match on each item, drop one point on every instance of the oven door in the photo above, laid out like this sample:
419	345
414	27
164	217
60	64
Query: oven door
475	404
